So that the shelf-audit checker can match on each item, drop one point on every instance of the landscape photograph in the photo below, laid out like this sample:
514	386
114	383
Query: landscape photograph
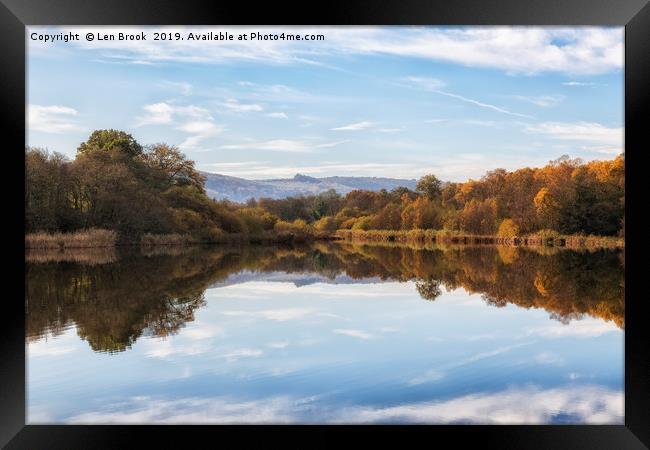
325	225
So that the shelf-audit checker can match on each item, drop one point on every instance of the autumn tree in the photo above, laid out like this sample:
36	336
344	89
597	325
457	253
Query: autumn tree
172	167
389	218
548	209
479	217
508	228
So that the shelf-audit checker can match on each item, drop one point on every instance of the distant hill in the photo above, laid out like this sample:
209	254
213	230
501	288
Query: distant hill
239	189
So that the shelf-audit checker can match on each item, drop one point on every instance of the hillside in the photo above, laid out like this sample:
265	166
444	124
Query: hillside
239	189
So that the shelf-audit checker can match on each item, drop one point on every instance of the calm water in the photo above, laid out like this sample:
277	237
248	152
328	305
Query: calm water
326	334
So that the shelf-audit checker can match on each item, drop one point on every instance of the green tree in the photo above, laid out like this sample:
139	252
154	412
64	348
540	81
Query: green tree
430	186
111	141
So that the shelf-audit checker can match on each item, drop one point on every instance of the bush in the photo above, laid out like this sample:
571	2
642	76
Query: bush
150	239
347	224
326	224
363	223
298	230
256	220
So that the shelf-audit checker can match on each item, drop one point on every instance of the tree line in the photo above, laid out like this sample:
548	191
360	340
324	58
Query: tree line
117	184
567	196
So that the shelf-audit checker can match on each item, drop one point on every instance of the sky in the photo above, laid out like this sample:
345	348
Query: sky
399	102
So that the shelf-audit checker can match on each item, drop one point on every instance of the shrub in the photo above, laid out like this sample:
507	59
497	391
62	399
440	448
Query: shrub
326	224
150	239
363	223
348	223
298	230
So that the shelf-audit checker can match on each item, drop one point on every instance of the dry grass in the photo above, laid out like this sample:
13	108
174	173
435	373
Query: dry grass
91	238
86	256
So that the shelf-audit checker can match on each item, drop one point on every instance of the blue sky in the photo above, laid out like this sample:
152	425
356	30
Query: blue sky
366	101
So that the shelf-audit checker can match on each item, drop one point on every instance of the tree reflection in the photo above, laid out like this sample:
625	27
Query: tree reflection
428	289
112	303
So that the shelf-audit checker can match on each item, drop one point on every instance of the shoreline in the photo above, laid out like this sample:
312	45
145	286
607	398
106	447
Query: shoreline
106	239
442	237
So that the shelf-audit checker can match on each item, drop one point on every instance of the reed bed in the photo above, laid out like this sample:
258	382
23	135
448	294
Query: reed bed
85	256
91	238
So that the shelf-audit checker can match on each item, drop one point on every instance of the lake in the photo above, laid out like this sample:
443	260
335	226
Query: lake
326	333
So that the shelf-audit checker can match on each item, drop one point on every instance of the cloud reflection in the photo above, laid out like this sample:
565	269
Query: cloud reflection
519	405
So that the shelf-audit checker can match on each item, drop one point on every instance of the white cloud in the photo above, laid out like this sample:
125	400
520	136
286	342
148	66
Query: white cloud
548	358
278	345
281	145
242	353
276	145
163	113
55	119
281	93
278	315
578	83
235	106
428	84
146	410
486	354
191	119
588	404
278	115
197	127
50	348
600	137
543	101
359	334
585	328
40	414
198	331
199	131
157	114
514	49
529	405
332	144
354	126
482	123
482	104
164	348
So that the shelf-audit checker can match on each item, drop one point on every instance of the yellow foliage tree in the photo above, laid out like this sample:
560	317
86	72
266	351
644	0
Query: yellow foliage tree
508	228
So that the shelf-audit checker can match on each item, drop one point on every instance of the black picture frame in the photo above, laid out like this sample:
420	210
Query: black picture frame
633	14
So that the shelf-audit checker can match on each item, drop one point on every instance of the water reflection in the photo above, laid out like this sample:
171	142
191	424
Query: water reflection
113	303
329	333
530	405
